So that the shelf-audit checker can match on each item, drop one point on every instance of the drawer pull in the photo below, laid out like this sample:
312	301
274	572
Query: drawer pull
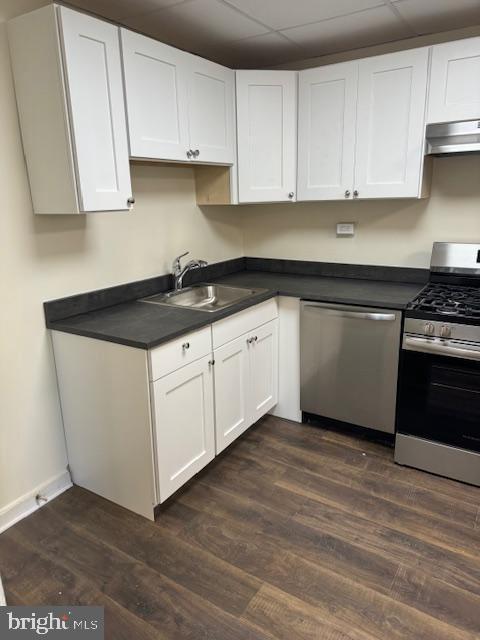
185	346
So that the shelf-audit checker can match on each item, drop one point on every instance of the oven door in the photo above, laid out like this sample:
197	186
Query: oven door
439	391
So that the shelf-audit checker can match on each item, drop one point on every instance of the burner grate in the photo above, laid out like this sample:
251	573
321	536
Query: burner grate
449	300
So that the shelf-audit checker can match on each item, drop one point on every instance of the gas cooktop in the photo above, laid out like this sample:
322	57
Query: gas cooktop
451	302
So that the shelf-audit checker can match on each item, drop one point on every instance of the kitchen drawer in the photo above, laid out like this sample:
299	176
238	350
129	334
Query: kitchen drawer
243	322
179	352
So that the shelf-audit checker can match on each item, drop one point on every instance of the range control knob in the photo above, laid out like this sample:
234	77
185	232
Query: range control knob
446	331
429	329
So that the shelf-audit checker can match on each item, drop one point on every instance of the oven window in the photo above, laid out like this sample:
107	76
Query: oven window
439	399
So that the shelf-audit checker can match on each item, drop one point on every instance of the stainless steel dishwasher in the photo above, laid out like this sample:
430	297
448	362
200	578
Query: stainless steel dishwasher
349	363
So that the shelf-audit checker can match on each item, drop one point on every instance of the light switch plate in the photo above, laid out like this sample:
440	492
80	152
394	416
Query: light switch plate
346	229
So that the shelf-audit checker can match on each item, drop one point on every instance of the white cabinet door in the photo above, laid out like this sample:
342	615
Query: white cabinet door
266	135
390	125
184	424
92	64
327	104
263	352
156	94
232	387
455	81
211	104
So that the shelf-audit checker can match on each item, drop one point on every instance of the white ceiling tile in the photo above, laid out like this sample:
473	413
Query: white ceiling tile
119	9
196	23
349	32
280	15
429	16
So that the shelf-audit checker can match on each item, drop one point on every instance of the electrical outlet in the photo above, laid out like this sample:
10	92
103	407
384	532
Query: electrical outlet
345	229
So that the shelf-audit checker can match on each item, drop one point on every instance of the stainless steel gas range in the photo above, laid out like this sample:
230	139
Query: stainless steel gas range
438	421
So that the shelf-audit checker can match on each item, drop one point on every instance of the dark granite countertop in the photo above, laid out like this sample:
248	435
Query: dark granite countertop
370	293
144	326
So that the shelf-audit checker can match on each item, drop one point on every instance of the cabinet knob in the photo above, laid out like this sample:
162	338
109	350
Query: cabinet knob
291	194
131	200
249	340
355	193
255	338
185	346
189	153
196	153
347	193
211	363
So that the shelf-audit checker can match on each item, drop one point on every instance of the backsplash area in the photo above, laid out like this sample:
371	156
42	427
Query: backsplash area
388	232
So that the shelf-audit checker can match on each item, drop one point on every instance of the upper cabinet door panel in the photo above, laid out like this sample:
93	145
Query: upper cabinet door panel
390	125
211	95
266	135
156	94
455	81
95	88
326	131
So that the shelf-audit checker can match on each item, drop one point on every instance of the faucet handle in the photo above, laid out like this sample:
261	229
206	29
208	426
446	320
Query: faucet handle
176	263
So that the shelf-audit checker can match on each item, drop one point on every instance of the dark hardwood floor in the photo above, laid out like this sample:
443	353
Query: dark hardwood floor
295	533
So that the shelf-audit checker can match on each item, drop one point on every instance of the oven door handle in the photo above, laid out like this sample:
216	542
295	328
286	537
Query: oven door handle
443	348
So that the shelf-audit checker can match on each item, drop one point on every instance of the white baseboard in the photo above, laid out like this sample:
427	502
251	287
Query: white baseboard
3	601
27	504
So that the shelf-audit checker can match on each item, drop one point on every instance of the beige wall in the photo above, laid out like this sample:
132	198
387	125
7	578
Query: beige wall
390	232
47	257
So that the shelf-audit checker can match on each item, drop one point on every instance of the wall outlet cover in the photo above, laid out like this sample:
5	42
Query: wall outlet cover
346	229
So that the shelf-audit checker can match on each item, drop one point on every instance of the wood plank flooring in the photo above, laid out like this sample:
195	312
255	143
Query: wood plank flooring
296	533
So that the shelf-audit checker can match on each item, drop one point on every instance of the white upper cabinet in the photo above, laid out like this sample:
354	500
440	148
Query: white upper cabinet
69	89
266	135
180	107
156	96
92	63
455	81
327	103
211	109
390	125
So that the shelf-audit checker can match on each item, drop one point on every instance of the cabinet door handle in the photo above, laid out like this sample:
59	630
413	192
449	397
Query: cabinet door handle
196	153
356	193
189	154
185	346
131	201
255	338
211	363
347	193
249	340
291	194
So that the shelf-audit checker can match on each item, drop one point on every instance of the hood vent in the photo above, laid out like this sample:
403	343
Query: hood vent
453	137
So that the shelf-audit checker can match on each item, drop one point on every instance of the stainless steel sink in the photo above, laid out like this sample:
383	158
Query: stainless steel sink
203	297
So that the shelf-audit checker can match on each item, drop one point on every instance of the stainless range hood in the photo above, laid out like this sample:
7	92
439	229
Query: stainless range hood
453	137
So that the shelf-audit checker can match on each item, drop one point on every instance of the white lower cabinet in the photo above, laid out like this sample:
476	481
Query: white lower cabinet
246	382
139	424
184	424
231	391
263	370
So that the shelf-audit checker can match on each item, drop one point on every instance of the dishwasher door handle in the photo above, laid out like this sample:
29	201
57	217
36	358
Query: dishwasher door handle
359	315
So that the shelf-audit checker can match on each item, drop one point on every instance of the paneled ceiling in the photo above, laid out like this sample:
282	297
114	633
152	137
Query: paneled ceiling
246	33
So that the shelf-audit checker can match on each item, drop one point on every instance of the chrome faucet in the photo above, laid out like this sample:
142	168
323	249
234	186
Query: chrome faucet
179	272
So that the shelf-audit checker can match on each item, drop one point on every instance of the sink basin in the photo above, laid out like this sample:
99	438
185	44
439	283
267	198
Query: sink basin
203	297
